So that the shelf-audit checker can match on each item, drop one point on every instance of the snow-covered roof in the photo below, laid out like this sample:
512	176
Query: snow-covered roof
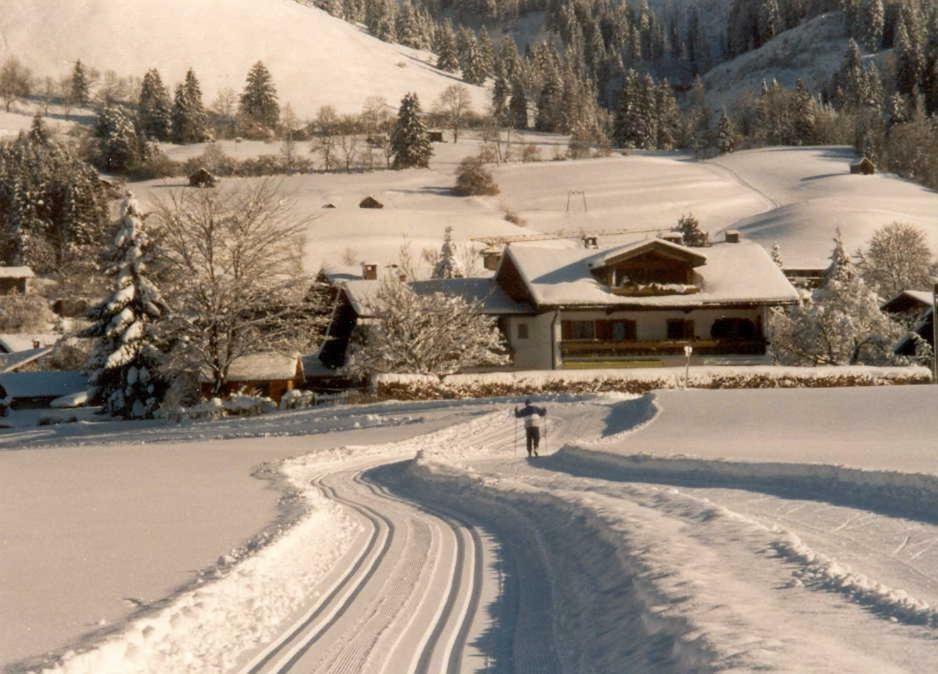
14	361
908	299
25	341
493	299
621	253
264	366
740	273
46	384
335	273
16	272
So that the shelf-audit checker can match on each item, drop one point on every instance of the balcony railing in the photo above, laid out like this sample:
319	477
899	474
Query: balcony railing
586	349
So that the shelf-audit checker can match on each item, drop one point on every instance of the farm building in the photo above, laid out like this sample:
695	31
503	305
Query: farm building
916	307
15	279
631	305
269	374
31	390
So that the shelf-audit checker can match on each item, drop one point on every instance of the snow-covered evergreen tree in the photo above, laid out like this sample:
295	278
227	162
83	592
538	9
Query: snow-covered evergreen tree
447	266
79	85
840	263
119	144
689	227
259	101
125	360
154	107
518	106
436	334
872	22
53	207
410	141
189	120
447	56
726	134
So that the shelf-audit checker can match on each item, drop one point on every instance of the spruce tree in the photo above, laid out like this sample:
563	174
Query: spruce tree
668	116
79	85
189	120
726	138
154	107
872	24
119	145
447	56
410	141
549	104
259	100
518	106
447	266
910	59
500	99
123	365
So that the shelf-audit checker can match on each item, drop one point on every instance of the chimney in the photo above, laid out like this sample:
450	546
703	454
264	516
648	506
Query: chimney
731	236
370	272
491	258
591	242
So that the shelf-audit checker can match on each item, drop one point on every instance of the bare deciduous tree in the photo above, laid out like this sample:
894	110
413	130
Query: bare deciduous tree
15	82
233	255
454	104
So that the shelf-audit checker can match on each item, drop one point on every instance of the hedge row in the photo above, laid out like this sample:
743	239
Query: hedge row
424	387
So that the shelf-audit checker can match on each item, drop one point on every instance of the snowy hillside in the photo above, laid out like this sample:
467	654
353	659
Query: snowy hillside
811	52
315	59
814	194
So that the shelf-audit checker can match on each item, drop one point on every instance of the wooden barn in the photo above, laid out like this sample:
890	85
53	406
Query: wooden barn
15	279
269	374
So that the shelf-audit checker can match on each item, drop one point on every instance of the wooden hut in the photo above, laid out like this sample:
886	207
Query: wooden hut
269	374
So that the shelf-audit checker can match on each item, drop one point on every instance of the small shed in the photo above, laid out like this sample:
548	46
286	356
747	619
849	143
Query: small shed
202	178
370	202
268	373
31	390
15	279
436	137
329	205
22	341
864	167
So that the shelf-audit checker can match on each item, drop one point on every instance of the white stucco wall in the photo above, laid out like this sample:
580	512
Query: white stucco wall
534	353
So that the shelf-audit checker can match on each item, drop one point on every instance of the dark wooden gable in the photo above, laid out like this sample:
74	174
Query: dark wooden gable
654	262
510	280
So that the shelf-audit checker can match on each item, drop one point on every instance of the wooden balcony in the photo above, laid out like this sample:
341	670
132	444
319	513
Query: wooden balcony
604	349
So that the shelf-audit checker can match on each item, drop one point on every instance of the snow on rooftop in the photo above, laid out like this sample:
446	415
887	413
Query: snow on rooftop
16	272
26	341
46	384
264	366
493	299
734	272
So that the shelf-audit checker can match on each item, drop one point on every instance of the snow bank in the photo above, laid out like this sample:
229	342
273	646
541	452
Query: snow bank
207	629
409	386
912	494
608	610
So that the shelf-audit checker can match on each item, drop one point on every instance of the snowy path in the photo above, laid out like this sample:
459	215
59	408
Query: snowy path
404	598
471	558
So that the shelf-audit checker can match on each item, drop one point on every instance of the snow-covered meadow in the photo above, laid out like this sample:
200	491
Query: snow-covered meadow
784	562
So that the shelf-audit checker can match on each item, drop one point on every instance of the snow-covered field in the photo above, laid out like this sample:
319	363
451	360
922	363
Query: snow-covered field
315	59
599	557
795	197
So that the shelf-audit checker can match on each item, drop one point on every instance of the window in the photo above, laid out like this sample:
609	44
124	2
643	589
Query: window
623	331
522	330
733	328
680	329
582	330
616	331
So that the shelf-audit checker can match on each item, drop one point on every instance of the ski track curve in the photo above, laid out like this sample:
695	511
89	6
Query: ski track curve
406	599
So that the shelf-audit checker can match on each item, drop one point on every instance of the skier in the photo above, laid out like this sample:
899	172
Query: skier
532	416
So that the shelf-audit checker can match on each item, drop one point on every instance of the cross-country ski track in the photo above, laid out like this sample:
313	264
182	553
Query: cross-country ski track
464	556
